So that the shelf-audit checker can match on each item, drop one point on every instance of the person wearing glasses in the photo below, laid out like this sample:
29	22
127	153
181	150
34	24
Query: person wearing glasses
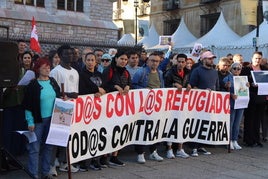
106	60
150	77
235	114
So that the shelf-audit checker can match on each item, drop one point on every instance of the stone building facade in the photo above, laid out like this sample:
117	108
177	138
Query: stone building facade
199	15
92	24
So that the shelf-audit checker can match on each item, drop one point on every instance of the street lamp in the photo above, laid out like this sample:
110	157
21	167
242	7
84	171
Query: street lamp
259	21
136	5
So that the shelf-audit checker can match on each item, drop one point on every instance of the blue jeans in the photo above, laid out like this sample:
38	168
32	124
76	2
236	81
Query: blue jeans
235	116
39	148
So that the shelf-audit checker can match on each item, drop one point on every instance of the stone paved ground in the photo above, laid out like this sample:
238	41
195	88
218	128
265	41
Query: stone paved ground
249	163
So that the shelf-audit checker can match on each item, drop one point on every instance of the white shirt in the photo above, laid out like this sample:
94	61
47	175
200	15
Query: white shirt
69	78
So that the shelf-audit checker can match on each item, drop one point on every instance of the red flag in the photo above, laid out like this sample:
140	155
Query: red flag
34	43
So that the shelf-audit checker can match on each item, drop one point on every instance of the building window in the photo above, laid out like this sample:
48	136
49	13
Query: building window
30	2
169	5
18	1
207	22
79	5
38	3
61	4
170	26
71	5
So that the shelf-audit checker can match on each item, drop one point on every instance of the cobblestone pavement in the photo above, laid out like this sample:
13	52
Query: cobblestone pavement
248	163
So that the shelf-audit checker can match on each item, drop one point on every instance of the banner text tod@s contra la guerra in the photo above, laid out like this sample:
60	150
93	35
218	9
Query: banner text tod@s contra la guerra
111	122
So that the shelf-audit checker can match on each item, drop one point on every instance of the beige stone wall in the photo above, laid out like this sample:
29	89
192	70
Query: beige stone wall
59	31
95	24
191	10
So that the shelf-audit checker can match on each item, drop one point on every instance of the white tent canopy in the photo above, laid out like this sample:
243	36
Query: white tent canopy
219	35
151	40
126	39
182	35
244	45
247	40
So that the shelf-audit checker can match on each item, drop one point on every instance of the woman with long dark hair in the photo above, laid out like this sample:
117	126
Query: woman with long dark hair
117	78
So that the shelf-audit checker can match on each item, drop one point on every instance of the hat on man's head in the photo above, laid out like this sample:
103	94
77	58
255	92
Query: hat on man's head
207	54
106	56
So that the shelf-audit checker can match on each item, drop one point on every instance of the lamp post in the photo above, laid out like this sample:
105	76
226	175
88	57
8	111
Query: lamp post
136	6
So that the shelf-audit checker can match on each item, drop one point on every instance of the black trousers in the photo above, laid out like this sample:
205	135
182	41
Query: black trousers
140	148
253	115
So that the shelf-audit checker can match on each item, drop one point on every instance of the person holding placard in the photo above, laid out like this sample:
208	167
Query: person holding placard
235	114
256	107
38	103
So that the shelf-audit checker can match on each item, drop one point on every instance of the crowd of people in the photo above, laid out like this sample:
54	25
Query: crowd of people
64	73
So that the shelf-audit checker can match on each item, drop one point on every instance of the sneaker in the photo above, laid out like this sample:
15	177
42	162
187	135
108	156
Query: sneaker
64	168
181	153
141	159
194	153
156	157
53	171
170	154
104	162
95	165
116	162
204	151
236	146
231	145
57	163
82	168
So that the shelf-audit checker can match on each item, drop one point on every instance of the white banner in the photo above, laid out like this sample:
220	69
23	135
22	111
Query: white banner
107	124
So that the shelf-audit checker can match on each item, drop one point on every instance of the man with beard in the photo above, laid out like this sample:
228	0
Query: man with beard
204	77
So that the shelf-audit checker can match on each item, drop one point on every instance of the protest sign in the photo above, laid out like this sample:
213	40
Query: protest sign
111	122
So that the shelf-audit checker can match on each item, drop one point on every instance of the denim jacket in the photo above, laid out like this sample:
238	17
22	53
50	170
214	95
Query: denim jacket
140	78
